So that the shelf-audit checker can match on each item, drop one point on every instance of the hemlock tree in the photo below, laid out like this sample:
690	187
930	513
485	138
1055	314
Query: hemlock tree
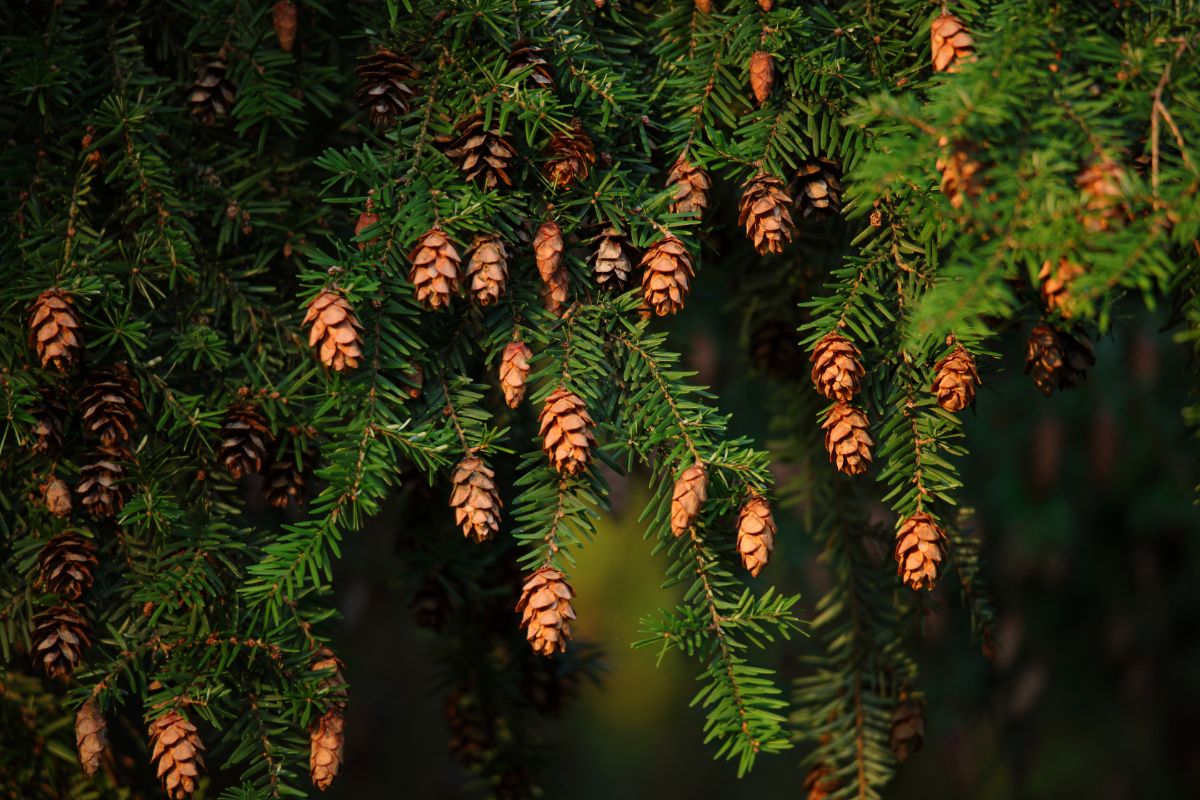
268	267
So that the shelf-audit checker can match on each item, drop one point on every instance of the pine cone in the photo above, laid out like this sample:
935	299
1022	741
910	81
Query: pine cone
475	500
764	213
334	330
60	635
175	746
91	736
472	730
920	551
365	221
1056	285
820	783
100	486
1079	356
566	430
385	86
961	180
704	6
245	436
610	263
484	155
569	156
514	371
545	609
548	249
755	534
414	380
67	564
487	269
1057	359
691	490
283	19
435	269
526	55
667	272
762	75
951	43
847	440
212	95
766	5
57	497
286	479
1100	184
692	186
818	188
50	422
327	737
908	728
55	331
837	370
108	405
956	379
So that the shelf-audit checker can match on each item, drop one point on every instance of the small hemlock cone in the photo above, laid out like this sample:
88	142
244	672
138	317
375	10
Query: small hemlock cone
487	269
91	736
365	221
326	736
514	370
57	497
435	271
1057	359
766	5
692	186
762	75
283	19
687	498
334	330
610	263
483	154
955	380
100	486
108	405
755	534
1056	285
908	728
175	747
50	422
212	94
546	612
245	436
704	6
920	551
55	332
67	565
1100	184
764	212
385	86
837	370
472	730
286	479
961	180
475	500
569	156
526	55
951	43
60	635
566	430
666	277
548	249
818	188
847	440
820	783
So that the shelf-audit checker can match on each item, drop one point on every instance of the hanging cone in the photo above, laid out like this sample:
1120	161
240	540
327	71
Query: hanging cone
566	430
475	499
766	5
546	612
692	186
487	269
691	490
67	565
414	380
91	736
483	154
55	332
245	436
472	730
763	211
1079	355
1057	359
327	737
818	188
569	156
961	178
108	405
385	86
837	370
334	330
436	269
57	497
920	551
548	249
212	94
704	6
955	380
610	263
175	747
762	75
847	440
60	635
514	371
366	220
950	42
50	422
286	479
908	728
1056	285
526	55
1100	184
755	534
285	22
100	486
820	783
667	272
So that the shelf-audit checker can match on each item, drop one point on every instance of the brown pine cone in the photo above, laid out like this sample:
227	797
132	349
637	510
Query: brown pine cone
847	440
1056	285
820	783
566	430
514	371
908	728
101	489
1100	184
1057	359
385	86
286	479
365	221
610	262
692	186
690	492
483	154
60	635
487	269
569	156
837	370
764	212
704	6
414	380
762	75
55	332
818	188
475	499
334	330
755	534
91	736
50	422
67	564
766	5
667	272
436	269
327	737
1079	355
526	55
108	405
472	730
283	19
57	497
920	551
951	43
245	437
961	179
548	249
546	612
175	747
955	380
212	94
